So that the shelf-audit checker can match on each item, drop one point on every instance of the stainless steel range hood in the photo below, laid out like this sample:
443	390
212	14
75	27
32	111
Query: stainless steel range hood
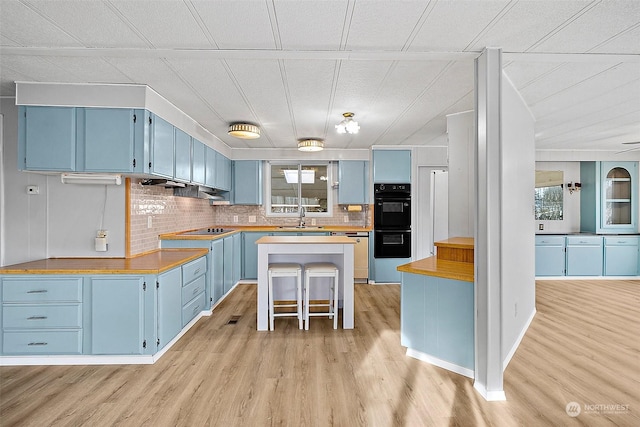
197	191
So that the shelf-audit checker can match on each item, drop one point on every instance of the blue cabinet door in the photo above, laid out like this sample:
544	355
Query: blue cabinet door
210	176
47	138
247	182
391	166
584	256
217	258
237	258
353	178
550	256
250	254
117	315
198	162
228	263
621	256
386	269
108	139
169	305
182	171
223	172
162	148
619	192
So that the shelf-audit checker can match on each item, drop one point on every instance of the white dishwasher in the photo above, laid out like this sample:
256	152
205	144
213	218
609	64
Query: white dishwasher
360	254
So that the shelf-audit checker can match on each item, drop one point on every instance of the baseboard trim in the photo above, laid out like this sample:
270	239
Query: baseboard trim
461	370
515	346
489	396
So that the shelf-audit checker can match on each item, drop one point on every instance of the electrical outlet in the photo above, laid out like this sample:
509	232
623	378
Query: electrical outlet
149	221
540	226
313	221
252	218
515	310
235	218
346	218
33	189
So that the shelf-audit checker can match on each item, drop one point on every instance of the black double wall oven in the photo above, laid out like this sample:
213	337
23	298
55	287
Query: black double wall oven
392	220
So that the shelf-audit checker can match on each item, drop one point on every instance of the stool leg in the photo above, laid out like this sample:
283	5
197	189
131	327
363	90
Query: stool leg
306	301
336	287
299	289
271	316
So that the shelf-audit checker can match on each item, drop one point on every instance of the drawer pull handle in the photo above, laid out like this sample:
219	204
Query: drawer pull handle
39	291
38	343
195	291
36	318
197	270
196	309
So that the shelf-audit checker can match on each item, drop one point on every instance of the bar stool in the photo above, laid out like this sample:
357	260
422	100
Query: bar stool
316	270
285	270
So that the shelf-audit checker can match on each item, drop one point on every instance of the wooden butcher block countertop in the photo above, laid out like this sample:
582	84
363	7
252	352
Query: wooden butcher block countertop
454	260
150	263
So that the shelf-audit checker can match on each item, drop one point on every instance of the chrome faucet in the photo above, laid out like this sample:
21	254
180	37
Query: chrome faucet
302	214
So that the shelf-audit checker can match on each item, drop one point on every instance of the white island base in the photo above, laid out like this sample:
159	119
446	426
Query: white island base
305	249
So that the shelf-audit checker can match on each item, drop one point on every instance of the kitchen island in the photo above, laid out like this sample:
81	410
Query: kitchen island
437	307
305	249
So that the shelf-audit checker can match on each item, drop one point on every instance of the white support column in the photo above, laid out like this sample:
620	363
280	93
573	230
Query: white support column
488	281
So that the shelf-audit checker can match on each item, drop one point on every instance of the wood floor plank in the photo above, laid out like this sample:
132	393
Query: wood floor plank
583	345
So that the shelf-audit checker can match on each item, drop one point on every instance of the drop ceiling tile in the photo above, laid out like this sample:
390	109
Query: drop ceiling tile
36	68
89	69
25	27
526	23
627	43
376	26
596	26
165	24
311	25
91	23
453	25
237	24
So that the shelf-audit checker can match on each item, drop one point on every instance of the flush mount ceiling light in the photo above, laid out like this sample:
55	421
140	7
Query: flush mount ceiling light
310	144
348	125
244	131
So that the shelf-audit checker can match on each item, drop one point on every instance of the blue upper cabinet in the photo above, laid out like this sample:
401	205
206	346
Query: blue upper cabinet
392	166
182	170
47	138
223	172
198	162
247	182
609	197
353	178
112	139
210	157
162	148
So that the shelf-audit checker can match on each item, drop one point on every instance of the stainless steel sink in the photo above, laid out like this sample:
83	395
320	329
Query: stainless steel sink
304	227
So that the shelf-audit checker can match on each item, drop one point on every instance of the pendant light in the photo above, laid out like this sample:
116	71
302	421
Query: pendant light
348	125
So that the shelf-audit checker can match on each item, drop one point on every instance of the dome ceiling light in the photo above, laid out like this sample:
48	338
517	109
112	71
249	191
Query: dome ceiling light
310	144
244	131
348	125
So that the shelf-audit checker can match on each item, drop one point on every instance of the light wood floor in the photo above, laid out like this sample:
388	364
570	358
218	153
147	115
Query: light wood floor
582	346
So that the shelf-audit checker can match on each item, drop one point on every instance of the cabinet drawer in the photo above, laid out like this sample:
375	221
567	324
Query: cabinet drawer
621	241
584	240
193	269
192	289
42	289
550	240
42	316
42	342
192	308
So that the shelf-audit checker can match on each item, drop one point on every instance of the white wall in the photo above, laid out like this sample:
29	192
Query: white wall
571	215
63	219
462	135
518	241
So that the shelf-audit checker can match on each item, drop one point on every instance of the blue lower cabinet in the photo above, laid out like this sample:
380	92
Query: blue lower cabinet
217	267
42	342
621	256
550	255
169	306
385	269
584	255
437	318
117	315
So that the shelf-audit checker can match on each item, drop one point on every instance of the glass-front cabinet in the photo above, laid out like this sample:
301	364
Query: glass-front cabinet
609	199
